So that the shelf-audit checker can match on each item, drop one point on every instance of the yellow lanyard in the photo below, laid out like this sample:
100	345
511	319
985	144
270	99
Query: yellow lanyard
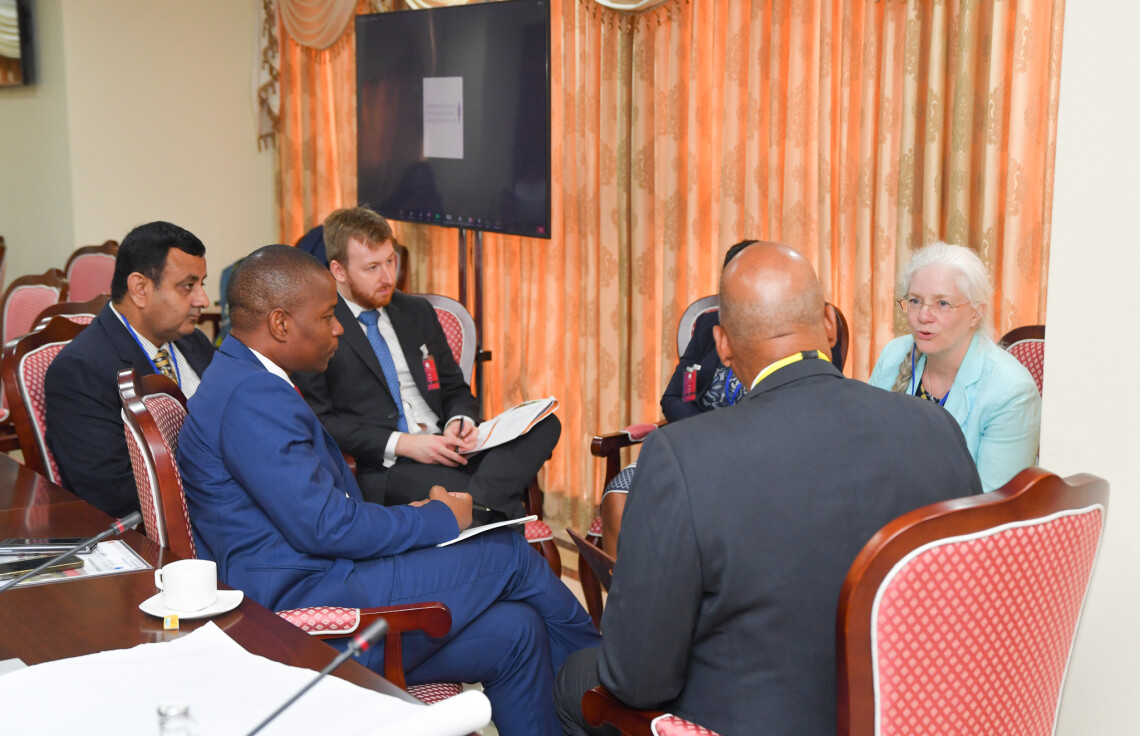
796	357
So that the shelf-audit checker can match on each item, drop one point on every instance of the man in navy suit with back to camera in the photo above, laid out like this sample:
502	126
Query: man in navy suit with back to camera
157	297
393	396
273	503
741	523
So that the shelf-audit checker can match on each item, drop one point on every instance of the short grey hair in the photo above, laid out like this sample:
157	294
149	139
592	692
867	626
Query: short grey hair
973	278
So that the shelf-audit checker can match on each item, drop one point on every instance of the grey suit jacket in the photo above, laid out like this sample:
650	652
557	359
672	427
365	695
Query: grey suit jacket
737	535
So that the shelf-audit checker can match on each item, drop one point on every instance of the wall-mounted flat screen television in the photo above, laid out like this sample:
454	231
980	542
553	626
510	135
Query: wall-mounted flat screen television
453	116
17	62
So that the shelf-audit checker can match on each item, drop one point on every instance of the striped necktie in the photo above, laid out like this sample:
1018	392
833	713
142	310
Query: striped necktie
163	364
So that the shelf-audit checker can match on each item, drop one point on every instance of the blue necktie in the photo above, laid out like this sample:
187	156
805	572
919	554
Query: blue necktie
387	365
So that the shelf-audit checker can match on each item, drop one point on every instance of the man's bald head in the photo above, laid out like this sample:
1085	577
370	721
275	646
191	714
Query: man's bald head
771	306
272	277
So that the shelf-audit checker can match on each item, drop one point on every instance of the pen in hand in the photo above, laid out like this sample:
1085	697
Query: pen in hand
461	423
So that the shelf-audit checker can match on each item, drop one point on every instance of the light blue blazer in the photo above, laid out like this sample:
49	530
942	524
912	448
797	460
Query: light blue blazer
994	399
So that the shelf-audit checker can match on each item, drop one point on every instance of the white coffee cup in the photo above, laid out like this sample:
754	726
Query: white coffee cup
187	585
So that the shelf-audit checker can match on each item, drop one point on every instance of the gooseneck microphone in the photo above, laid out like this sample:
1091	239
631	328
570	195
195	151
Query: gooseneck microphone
360	643
117	528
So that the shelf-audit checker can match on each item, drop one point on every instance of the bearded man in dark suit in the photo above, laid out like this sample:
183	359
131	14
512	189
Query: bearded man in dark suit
393	396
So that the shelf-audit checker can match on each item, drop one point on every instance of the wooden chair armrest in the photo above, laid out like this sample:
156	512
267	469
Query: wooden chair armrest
350	461
609	446
433	618
599	707
604	444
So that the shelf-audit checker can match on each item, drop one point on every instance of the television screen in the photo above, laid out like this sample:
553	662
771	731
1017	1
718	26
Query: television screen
453	116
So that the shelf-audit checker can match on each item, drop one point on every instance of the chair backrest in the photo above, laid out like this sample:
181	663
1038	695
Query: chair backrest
154	409
960	617
1027	344
89	270
81	312
601	564
711	303
459	328
688	321
842	339
25	298
25	364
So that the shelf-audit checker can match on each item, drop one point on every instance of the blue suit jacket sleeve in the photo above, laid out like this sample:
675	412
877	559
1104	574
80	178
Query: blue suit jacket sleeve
267	443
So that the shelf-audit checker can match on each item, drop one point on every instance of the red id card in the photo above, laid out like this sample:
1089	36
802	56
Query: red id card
430	372
689	392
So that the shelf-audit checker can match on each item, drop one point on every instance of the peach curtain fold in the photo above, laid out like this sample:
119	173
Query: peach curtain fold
853	130
316	23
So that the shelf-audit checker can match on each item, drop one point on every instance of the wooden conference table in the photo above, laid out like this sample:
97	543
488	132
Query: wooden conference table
74	617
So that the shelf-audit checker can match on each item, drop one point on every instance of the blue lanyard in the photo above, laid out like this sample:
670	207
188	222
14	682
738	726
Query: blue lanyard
734	396
173	355
913	388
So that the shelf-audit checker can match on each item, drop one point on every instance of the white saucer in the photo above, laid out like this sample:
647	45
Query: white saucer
226	601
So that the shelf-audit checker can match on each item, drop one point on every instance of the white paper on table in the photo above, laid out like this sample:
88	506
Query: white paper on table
513	423
228	690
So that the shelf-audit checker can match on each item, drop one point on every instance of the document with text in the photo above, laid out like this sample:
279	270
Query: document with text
512	423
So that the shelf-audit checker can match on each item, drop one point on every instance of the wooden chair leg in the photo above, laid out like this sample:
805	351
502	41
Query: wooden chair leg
549	550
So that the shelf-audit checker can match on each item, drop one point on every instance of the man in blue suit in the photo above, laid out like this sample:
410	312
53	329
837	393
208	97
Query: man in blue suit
272	502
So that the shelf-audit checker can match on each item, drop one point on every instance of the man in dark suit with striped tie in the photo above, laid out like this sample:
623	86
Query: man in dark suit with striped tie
393	396
150	325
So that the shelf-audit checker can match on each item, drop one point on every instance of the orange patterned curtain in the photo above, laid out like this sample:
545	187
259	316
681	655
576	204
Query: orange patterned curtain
853	130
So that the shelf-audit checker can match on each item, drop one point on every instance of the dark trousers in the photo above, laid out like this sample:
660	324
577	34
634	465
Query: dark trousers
577	675
497	478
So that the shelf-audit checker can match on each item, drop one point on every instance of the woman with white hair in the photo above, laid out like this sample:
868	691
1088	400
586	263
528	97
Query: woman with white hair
949	359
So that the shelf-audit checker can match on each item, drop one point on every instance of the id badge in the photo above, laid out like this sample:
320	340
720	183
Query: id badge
431	373
689	390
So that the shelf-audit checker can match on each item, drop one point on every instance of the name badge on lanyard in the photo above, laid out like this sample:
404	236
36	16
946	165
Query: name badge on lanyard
689	390
429	369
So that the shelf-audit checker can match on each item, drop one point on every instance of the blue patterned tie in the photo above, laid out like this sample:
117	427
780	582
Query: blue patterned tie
387	365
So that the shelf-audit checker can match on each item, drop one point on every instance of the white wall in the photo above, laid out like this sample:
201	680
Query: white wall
35	168
145	114
161	123
1091	416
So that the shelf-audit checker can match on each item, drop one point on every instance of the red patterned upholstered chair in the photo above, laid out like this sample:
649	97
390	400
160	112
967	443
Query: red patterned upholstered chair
1027	344
956	619
89	270
153	411
25	298
25	364
82	312
960	617
459	328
